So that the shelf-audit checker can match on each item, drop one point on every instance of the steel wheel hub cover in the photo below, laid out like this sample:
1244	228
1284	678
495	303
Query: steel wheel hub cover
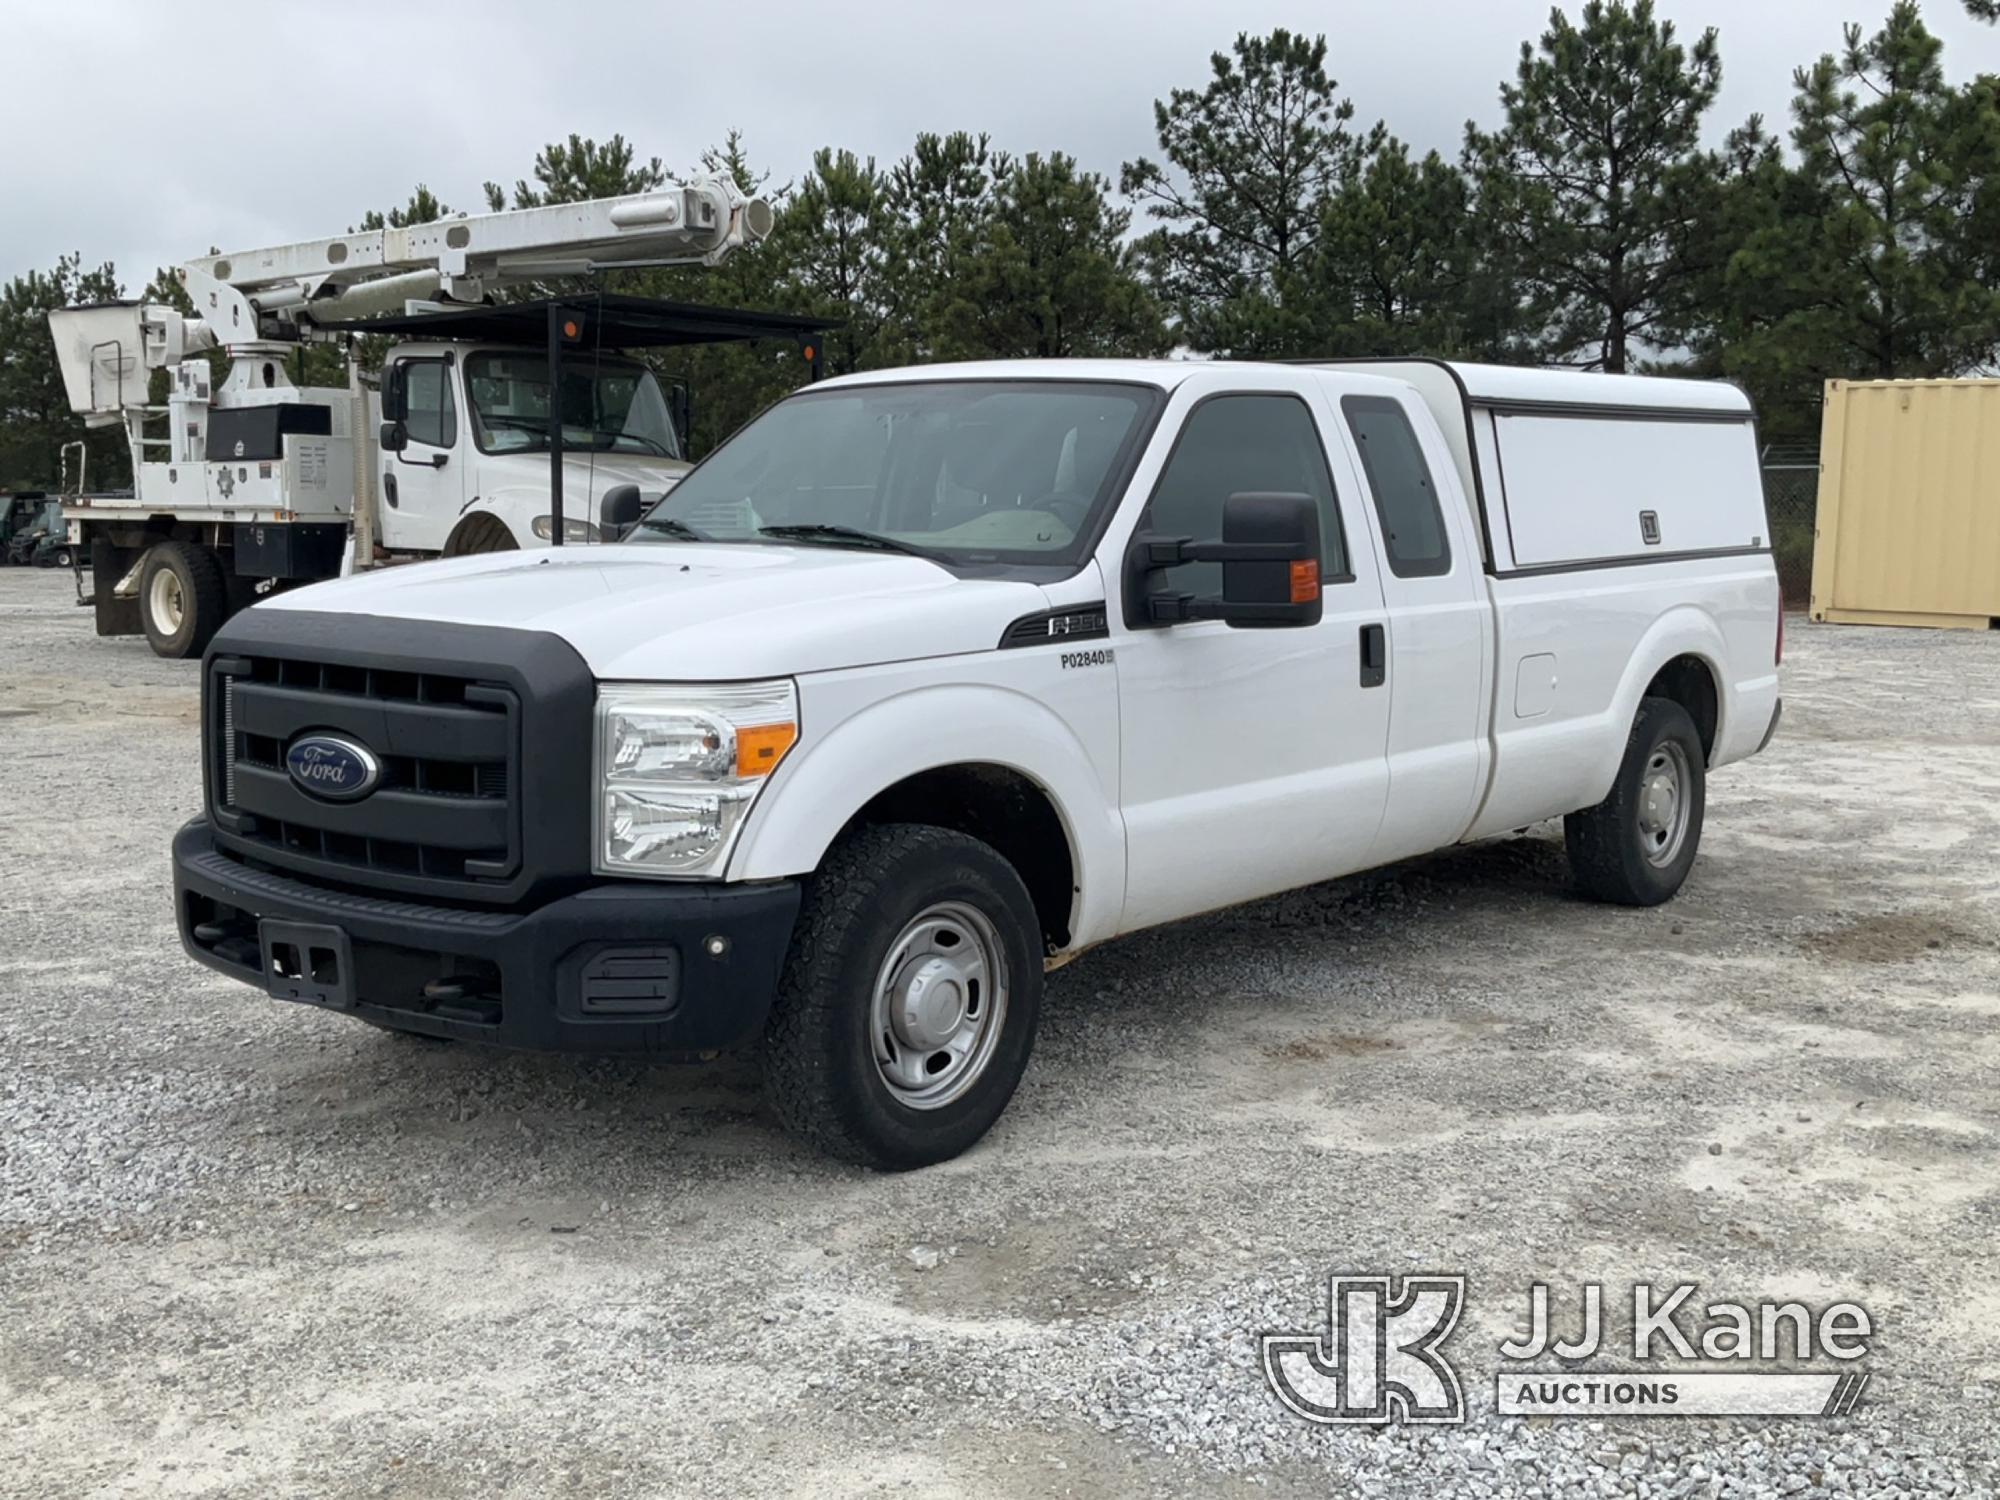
929	1005
939	1004
1664	810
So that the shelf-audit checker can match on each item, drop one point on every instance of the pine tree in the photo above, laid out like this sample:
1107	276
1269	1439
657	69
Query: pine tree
829	247
579	170
35	419
1874	257
423	207
1399	268
1047	273
936	202
1594	184
1251	160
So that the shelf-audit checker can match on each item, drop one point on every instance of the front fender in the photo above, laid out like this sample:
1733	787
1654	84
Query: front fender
827	779
518	505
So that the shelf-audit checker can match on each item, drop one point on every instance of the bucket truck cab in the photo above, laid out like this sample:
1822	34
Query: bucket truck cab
469	469
928	680
490	418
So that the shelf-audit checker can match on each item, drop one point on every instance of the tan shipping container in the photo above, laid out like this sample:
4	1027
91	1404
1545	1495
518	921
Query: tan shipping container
1908	524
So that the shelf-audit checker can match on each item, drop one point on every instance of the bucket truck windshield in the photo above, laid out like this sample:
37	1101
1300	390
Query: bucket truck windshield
613	406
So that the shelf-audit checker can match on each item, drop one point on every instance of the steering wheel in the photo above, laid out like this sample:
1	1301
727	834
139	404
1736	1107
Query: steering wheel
1070	509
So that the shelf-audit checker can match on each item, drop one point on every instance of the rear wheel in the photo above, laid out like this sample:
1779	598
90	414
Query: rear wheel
910	998
183	598
1637	845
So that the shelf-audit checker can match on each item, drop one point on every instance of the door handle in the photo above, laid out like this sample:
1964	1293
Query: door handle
1374	656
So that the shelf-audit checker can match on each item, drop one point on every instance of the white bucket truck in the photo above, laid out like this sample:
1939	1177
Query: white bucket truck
928	680
254	482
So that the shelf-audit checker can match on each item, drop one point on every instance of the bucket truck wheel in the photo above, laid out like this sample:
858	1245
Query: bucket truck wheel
481	534
183	598
1635	848
909	999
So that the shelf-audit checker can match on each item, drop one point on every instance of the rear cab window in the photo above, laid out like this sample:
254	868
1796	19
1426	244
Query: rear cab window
1406	497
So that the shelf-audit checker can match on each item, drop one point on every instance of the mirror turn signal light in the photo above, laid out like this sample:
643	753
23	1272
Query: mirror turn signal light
1305	581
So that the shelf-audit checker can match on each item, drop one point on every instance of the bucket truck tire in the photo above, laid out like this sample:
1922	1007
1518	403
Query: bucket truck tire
183	598
1635	848
909	1000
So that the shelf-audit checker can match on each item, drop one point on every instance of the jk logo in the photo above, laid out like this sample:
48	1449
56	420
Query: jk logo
1378	1361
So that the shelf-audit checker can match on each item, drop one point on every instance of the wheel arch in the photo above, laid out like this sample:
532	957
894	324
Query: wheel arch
1691	681
1681	658
940	756
481	531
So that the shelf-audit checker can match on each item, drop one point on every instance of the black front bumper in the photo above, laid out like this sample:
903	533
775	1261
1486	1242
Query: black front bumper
660	970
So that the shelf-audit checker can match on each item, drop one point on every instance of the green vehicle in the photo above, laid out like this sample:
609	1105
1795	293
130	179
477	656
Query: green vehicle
32	531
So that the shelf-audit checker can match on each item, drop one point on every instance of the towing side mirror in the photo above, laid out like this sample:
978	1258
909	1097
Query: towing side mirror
395	437
1270	552
396	392
618	512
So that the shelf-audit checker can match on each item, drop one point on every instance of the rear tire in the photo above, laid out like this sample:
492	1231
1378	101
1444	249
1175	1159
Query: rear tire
1636	847
183	598
909	1000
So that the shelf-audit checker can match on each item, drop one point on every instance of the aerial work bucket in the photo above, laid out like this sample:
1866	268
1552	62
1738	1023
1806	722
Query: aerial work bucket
103	357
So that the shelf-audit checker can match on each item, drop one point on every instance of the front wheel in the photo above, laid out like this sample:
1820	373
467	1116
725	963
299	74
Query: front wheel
1636	847
910	998
183	598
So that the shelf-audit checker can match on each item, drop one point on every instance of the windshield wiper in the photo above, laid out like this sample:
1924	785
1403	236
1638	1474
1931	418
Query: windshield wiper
845	536
673	528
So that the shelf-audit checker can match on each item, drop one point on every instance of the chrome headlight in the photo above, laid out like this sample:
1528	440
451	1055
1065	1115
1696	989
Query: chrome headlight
678	768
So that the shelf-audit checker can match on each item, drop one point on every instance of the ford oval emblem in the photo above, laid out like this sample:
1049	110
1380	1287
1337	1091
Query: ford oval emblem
333	766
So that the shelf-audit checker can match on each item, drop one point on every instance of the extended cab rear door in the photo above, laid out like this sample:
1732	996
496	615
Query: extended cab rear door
1440	649
1251	760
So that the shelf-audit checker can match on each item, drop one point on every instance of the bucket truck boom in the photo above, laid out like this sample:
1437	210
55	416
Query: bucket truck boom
248	482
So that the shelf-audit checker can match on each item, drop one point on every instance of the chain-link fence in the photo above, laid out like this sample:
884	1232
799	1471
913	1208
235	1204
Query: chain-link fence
1791	497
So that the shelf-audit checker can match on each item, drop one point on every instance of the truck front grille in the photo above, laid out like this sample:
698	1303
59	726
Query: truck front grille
441	815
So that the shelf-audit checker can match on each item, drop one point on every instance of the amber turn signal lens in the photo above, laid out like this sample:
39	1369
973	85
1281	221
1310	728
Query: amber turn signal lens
1305	581
760	747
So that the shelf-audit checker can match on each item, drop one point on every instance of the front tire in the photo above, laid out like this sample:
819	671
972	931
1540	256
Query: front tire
478	534
1636	847
910	998
183	599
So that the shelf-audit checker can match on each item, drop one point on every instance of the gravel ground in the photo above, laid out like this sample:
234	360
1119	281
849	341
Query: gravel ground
251	1249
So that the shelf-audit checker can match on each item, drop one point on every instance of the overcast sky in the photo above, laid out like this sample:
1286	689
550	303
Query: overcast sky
146	131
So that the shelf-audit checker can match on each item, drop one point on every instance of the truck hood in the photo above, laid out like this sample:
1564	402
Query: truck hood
517	485
508	477
692	612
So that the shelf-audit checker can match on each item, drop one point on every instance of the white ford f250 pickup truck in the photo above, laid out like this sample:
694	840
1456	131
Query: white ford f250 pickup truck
928	680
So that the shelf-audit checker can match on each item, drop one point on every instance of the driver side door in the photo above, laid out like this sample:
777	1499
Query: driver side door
423	487
1251	760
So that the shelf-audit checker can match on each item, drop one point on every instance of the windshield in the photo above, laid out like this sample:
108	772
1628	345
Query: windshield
968	471
612	406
